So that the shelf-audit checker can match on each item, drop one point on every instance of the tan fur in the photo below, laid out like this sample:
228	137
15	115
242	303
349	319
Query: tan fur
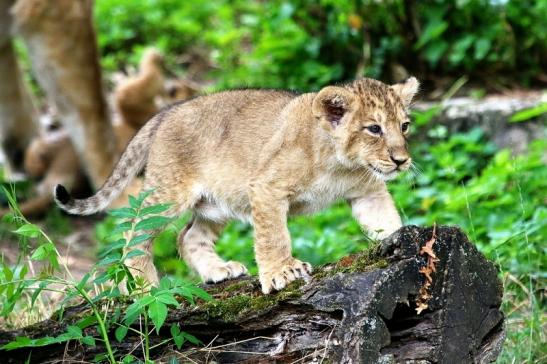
61	43
18	115
179	90
261	156
135	97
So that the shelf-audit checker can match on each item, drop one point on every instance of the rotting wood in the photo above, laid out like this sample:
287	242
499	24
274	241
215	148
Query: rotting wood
359	310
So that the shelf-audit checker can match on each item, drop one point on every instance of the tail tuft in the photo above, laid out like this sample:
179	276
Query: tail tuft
62	195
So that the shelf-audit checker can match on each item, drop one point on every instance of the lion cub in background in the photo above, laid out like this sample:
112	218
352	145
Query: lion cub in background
260	156
135	97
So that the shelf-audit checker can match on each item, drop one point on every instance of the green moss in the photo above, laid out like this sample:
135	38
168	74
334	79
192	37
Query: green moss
228	309
244	299
233	308
364	261
239	286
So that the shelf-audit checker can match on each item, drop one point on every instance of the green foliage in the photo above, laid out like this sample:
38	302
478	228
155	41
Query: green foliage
150	304
306	44
529	113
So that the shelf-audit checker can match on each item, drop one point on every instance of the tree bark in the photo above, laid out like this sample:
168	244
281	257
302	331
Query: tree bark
61	40
358	310
17	112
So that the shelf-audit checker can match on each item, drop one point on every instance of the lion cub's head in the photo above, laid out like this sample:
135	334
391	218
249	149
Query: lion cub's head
368	121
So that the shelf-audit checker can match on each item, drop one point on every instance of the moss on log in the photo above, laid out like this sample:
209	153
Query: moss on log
361	309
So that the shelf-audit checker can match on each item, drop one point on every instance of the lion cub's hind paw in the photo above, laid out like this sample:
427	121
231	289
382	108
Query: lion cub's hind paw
279	278
225	271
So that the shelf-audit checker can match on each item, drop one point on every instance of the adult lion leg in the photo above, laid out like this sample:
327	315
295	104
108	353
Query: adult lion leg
18	116
196	244
62	48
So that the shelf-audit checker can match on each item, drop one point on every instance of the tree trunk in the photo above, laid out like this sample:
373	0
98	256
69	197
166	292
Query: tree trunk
361	309
17	113
61	40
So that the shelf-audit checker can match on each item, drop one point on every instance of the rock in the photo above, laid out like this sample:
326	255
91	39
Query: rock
492	115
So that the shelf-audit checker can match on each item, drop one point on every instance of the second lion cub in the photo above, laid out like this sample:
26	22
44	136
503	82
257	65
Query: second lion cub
260	156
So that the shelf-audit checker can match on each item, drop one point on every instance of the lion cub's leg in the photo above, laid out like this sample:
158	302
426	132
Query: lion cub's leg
143	265
196	244
276	265
376	213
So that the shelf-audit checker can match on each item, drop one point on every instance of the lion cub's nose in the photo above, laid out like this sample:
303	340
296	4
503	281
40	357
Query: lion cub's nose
398	160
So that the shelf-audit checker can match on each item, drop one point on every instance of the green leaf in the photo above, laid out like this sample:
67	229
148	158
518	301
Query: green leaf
151	223
177	337
198	292
134	203
84	280
118	244
167	298
28	230
102	278
37	292
139	239
133	253
124	226
157	312
109	260
155	209
88	340
433	30
165	283
74	331
435	51
129	359
146	300
86	322
20	342
133	312
460	47
120	333
43	252
124	212
194	340
529	113
482	46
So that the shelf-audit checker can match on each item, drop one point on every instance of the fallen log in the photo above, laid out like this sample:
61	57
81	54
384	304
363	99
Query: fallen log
422	295
492	115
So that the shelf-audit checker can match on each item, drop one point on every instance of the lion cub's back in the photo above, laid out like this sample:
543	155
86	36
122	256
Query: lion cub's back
229	118
221	131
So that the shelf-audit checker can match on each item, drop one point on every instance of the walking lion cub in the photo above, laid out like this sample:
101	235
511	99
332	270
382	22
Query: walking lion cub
261	156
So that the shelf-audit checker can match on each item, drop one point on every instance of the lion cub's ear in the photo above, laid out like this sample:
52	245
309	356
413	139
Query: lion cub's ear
332	103
406	90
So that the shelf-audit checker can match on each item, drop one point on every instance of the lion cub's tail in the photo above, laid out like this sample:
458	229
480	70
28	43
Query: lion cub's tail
131	162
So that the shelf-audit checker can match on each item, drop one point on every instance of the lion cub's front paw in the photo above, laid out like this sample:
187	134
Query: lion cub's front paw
279	277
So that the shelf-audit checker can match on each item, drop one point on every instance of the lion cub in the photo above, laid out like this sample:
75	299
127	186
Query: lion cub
135	97
261	156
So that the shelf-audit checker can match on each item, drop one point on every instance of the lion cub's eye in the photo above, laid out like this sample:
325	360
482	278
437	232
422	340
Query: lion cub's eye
405	126
374	129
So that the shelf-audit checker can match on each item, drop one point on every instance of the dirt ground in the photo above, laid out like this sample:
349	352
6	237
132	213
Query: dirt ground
78	248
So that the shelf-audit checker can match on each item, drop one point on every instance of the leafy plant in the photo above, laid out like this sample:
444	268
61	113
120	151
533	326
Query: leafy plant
306	44
529	113
99	287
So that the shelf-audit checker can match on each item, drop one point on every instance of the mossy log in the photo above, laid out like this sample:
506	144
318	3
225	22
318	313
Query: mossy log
361	309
